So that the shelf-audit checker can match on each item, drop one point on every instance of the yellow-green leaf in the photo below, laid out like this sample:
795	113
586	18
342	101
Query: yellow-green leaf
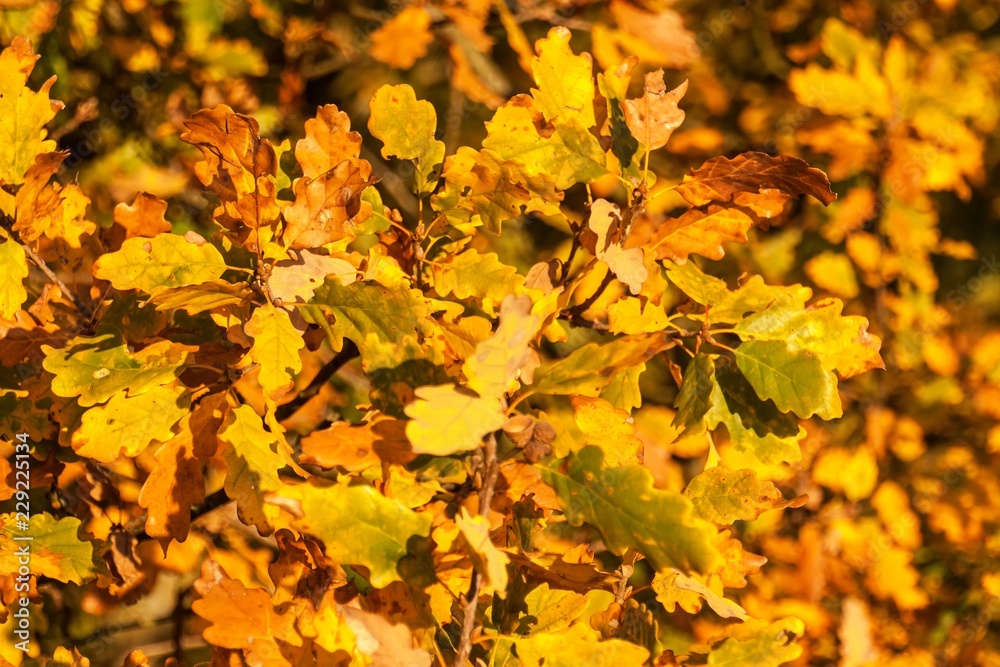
506	355
480	276
253	457
565	150
794	379
166	260
591	368
360	526
724	496
366	310
579	645
841	343
406	127
56	548
623	505
198	298
757	643
98	367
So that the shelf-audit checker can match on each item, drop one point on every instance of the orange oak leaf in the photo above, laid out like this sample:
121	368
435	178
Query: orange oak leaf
653	117
357	447
327	207
328	142
243	618
144	217
239	168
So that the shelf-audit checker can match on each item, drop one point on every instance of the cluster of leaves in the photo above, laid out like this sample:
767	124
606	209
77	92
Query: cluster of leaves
508	417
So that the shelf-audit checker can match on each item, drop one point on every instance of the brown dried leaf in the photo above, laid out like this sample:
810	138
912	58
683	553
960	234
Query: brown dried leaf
723	180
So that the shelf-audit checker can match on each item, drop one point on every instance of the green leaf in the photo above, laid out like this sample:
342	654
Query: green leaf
56	549
276	346
166	260
591	368
129	424
754	425
694	401
407	126
794	379
366	308
551	610
13	271
727	306
703	288
253	457
96	368
724	496
613	85
623	390
447	420
623	505
359	526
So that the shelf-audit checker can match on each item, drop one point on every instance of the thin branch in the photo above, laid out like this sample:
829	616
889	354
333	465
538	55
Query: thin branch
346	354
590	300
37	261
492	470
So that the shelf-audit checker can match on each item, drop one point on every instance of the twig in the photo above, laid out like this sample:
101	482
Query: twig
83	310
589	301
492	470
347	353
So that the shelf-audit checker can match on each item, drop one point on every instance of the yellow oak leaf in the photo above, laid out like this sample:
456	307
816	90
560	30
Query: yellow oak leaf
126	425
166	260
610	429
489	561
507	355
13	271
276	347
23	114
447	420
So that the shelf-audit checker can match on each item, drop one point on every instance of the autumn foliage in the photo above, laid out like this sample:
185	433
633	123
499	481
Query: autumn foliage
508	334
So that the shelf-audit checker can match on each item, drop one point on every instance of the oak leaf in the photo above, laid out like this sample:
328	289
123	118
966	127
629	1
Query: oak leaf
723	180
653	117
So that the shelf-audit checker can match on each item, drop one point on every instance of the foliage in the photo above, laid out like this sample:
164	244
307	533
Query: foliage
577	375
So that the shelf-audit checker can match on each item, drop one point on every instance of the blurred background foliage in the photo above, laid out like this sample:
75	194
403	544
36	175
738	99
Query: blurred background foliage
896	557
